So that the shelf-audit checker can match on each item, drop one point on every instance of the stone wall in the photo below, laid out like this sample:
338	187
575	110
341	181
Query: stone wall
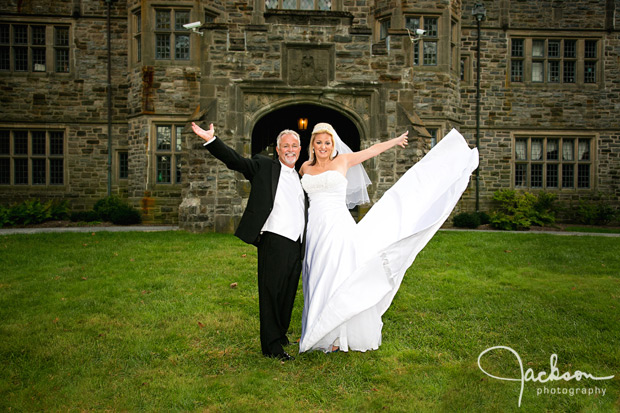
74	102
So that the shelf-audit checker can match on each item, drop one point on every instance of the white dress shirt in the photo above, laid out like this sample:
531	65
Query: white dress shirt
287	216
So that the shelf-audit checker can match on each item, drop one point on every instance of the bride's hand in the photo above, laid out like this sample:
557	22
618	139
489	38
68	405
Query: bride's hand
402	140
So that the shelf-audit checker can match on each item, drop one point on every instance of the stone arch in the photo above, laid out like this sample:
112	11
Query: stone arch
267	123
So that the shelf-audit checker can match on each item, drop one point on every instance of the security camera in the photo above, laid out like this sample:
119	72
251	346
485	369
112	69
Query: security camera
420	32
193	25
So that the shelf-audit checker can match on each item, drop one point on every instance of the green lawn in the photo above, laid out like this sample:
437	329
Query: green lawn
149	322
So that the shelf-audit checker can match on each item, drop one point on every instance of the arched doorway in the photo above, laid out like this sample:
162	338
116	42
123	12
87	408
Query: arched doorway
269	126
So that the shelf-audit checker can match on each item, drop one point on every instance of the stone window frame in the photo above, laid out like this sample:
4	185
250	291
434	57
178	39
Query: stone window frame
435	132
53	49
136	35
173	33
143	35
535	56
553	161
23	146
175	152
432	36
122	165
466	70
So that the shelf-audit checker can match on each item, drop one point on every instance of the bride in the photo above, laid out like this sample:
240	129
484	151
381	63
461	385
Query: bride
352	271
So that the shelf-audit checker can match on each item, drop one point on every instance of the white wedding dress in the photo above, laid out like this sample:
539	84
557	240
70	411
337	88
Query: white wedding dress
352	271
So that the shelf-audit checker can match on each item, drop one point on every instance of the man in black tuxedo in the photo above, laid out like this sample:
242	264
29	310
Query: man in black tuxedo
274	221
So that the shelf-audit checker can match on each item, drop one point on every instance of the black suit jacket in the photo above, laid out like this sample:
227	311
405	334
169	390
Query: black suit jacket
263	174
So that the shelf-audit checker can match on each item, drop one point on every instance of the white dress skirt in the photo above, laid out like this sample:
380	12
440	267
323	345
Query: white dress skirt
352	271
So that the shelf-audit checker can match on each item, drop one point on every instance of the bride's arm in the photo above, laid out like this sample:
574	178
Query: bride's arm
359	157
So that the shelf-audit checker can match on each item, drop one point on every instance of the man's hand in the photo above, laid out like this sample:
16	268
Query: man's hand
207	135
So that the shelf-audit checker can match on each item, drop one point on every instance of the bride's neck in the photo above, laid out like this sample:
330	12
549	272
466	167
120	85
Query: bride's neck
323	164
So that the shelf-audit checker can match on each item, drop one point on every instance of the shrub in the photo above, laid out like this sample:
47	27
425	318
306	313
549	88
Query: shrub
33	211
126	215
105	207
484	217
117	211
520	210
466	220
84	216
594	212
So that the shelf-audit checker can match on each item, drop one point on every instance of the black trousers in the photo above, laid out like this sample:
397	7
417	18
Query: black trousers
279	269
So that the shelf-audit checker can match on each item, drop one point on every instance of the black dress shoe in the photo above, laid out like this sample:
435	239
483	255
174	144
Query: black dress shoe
284	356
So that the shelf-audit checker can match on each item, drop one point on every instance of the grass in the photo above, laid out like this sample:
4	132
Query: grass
149	322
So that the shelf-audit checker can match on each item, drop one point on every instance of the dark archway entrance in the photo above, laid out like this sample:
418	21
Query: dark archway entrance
269	126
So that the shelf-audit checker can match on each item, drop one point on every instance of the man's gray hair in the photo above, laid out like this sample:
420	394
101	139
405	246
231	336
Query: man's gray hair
287	132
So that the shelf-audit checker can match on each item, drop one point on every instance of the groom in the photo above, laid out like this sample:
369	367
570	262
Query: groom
274	221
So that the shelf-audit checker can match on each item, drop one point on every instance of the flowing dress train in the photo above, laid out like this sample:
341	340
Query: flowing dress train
351	271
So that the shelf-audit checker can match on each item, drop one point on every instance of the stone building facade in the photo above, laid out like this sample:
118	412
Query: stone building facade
81	117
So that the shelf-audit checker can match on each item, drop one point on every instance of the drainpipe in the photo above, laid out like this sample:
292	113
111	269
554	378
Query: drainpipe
108	2
479	13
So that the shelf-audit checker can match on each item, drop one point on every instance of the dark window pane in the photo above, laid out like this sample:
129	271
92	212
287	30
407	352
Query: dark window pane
553	48
5	142
569	72
570	48
62	60
516	71
537	174
517	48
164	165
38	143
61	37
568	176
56	171
5	57
20	143
181	17
554	71
20	167
56	143
123	165
552	175
21	59
162	46
178	161
38	171
20	34
590	49
162	20
589	72
520	175
5	171
430	25
38	35
583	176
4	34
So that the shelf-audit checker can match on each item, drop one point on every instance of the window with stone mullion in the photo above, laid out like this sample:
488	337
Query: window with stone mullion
168	154
169	33
33	157
552	163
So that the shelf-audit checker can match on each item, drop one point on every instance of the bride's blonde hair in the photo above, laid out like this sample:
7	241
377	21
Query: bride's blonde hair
322	128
